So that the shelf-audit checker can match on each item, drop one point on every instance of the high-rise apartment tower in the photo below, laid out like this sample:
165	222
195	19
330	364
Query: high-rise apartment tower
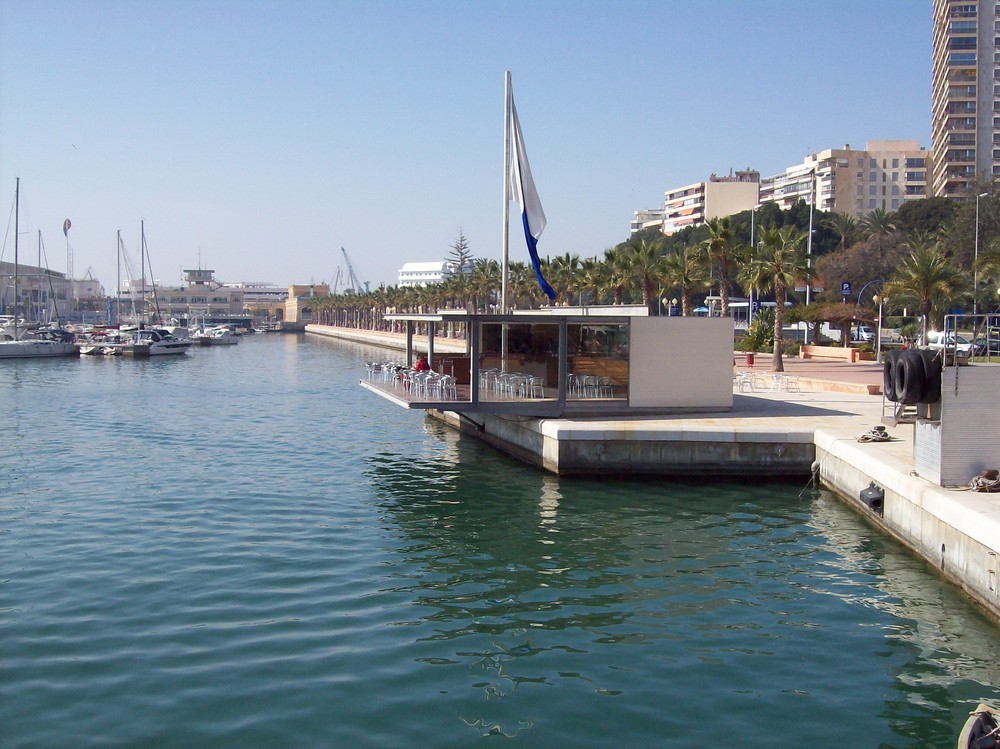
965	113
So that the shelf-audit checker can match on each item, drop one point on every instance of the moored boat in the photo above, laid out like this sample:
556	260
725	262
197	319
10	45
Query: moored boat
15	344
157	342
981	730
148	342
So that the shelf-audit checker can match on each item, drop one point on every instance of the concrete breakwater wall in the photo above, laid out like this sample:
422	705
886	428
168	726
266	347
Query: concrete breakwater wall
571	447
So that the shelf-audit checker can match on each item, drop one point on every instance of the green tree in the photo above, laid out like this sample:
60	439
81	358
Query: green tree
618	274
930	215
927	279
719	253
846	227
644	265
460	256
560	272
879	225
484	282
683	269
776	264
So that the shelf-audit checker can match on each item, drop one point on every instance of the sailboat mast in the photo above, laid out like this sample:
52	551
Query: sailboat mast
40	310
142	263
17	213
118	286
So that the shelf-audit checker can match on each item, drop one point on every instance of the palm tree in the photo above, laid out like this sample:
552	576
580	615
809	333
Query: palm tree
644	264
618	278
777	263
719	252
988	268
590	278
559	272
683	269
484	282
927	278
847	228
522	286
878	225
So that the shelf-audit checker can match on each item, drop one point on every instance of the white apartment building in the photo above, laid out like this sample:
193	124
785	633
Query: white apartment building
422	274
886	174
965	99
700	202
647	219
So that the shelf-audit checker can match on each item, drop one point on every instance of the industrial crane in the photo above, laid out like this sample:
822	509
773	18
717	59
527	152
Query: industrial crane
337	278
356	283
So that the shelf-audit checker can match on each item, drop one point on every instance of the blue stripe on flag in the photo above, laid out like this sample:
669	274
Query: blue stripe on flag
533	252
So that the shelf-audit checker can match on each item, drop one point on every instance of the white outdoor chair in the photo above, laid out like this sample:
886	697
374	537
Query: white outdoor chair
445	387
744	381
534	387
604	387
573	386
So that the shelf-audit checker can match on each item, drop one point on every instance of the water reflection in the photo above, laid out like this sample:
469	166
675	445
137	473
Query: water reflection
743	592
946	654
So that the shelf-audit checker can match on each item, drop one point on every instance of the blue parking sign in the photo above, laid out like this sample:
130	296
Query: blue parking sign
845	288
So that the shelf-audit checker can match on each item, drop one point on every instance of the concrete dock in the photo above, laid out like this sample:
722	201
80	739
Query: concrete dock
817	428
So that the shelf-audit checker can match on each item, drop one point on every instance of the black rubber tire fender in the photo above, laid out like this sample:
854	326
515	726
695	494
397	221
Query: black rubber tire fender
910	380
889	375
932	376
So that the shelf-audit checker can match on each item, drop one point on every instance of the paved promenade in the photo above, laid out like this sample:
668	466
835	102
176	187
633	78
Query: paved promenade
822	373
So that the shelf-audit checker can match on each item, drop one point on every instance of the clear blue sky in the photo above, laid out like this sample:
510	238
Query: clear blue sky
261	137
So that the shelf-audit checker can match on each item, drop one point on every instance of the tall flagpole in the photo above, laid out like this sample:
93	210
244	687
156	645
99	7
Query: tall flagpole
506	194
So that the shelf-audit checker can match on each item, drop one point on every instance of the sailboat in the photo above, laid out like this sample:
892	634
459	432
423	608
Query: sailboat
17	345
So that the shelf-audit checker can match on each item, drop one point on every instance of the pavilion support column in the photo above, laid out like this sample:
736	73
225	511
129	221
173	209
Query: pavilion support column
409	343
563	362
430	344
472	338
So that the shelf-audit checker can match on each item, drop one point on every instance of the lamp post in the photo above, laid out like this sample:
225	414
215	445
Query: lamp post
809	241
878	331
753	216
673	307
975	261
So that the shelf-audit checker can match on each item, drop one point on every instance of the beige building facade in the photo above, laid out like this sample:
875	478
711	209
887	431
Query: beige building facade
886	174
299	307
700	202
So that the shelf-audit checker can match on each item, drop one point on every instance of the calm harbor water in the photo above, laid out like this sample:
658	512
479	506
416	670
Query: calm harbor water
241	548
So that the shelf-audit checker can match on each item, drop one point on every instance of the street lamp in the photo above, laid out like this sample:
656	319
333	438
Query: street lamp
878	331
809	241
753	216
975	262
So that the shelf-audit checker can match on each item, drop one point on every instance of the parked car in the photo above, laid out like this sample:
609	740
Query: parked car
986	346
953	342
863	333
